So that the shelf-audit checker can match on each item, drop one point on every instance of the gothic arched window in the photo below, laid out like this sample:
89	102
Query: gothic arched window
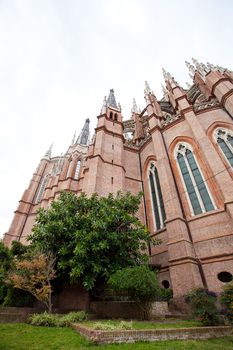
225	141
198	194
156	198
42	188
77	170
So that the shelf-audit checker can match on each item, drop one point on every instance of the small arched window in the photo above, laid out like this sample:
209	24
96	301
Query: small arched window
43	184
156	198
115	116
224	139
77	170
197	192
111	115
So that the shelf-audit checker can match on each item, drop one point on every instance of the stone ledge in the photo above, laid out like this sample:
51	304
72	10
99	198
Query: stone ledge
131	336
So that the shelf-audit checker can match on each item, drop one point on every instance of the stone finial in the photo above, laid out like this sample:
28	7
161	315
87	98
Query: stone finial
48	154
164	89
188	85
135	108
73	139
166	74
147	88
190	67
200	67
104	106
119	106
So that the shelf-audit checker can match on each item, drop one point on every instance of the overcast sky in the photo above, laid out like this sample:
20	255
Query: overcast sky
59	58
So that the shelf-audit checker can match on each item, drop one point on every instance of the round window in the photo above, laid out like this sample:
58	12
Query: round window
165	284
225	276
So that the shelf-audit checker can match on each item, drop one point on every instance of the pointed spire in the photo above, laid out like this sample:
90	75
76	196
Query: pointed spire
147	88
164	89
166	74
188	85
48	154
104	106
60	164
213	67
135	108
83	138
73	139
111	101
201	67
191	68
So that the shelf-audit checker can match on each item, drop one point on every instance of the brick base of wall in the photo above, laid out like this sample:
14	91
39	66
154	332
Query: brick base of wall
131	336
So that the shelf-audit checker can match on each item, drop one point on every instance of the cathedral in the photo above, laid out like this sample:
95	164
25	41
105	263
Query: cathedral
179	152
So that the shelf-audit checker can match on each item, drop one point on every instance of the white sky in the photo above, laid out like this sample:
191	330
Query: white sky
59	58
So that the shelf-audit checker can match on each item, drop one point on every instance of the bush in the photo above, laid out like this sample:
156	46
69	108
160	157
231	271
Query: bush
44	319
111	327
165	294
53	320
18	298
72	317
203	306
227	300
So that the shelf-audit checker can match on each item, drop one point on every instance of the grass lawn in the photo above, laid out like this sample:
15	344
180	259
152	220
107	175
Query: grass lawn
149	325
21	336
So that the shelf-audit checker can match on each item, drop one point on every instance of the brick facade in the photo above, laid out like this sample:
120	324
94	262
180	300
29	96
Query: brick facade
195	247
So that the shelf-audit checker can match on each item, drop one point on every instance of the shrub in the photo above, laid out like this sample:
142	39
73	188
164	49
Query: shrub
18	298
52	320
111	327
227	300
203	306
44	319
165	294
72	317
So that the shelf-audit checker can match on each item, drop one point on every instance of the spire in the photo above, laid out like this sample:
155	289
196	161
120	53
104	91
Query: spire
147	88
211	66
135	108
164	89
73	139
48	153
111	101
200	67
191	68
104	106
166	74
83	138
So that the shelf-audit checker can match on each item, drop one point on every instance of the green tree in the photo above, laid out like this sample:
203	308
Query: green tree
140	283
92	238
5	264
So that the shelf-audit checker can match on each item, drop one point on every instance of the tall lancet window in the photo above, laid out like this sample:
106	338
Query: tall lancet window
198	194
77	170
156	198
42	188
225	141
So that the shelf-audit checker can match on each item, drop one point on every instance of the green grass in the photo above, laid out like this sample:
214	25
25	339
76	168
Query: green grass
25	337
149	325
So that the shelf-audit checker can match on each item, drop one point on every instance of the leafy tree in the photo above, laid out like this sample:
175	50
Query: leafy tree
34	274
140	283
5	264
92	238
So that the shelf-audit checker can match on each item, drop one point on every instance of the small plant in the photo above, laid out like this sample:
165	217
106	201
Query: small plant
54	320
72	317
227	300
44	319
203	305
107	326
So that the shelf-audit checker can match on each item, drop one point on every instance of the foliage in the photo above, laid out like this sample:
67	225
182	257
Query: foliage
203	305
92	238
18	249
52	320
34	274
5	264
112	326
17	297
139	282
227	300
165	294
